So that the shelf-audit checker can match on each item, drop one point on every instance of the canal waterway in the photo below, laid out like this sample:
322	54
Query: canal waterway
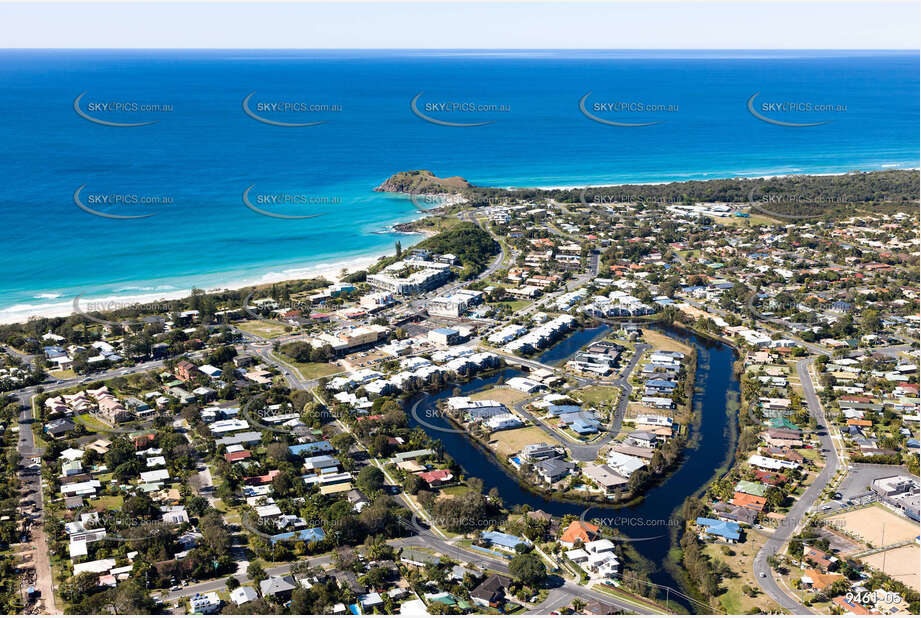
652	525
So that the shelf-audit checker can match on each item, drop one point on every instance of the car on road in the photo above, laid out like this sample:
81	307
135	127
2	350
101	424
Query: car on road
175	588
762	574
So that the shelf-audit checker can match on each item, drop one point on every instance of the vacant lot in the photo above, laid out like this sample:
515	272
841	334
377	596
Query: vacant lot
309	371
732	597
262	328
901	563
597	395
662	342
509	442
508	396
875	525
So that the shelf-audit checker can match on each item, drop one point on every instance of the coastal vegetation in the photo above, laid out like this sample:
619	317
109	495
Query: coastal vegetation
831	196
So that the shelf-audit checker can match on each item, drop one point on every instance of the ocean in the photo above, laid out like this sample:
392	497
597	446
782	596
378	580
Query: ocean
198	150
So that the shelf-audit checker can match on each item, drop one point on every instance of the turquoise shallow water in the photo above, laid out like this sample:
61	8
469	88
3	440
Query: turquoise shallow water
204	151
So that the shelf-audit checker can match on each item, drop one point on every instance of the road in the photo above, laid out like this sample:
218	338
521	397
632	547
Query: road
262	348
581	451
31	479
425	539
797	515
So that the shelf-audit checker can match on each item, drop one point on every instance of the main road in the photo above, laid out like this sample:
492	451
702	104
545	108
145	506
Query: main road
798	513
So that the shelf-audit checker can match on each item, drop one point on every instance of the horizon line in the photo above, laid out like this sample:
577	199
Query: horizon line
476	49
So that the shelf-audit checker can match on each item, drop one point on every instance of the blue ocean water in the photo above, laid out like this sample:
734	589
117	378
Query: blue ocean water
205	151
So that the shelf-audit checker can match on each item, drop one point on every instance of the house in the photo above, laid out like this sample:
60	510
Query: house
818	558
414	607
755	503
436	478
817	581
279	587
185	370
539	451
625	465
235	456
211	371
737	514
243	594
783	438
606	478
205	603
771	464
751	488
505	541
490	593
59	427
525	385
658	402
553	470
307	535
851	607
579	531
645	439
726	530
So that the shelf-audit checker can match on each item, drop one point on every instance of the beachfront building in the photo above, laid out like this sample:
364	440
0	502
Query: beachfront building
405	278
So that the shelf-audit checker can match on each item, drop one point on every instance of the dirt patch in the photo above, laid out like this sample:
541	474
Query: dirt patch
509	442
874	525
900	563
507	396
663	342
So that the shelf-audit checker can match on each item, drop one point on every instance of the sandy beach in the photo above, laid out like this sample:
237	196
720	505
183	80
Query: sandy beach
65	305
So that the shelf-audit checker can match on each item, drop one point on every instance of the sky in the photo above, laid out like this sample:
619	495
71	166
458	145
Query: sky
456	25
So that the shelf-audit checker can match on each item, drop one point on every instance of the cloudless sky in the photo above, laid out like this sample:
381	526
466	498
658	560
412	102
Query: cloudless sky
449	25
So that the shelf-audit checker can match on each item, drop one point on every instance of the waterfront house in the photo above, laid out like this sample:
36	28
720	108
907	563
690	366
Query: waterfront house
553	470
606	478
579	531
726	531
436	478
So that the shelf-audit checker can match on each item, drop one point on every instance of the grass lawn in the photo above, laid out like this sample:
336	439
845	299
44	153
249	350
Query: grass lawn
65	374
91	423
107	502
733	599
514	305
508	396
454	490
662	342
262	328
309	371
810	454
510	441
596	395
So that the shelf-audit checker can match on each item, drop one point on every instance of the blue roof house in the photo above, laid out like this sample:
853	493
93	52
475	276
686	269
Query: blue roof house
727	530
506	541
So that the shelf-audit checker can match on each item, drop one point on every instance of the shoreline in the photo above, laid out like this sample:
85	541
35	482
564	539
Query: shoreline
887	167
64	304
22	312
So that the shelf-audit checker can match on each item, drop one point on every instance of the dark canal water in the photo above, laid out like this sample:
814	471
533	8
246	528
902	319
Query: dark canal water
652	524
569	346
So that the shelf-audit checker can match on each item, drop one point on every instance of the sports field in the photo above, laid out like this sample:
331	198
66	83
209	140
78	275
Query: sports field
875	525
900	563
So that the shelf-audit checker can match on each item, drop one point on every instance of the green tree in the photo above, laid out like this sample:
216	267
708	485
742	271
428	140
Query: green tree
528	569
